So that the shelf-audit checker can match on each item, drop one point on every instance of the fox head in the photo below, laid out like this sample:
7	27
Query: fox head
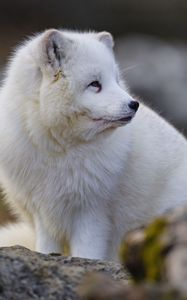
75	83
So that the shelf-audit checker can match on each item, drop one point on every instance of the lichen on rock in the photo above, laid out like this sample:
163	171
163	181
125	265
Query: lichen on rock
25	274
157	254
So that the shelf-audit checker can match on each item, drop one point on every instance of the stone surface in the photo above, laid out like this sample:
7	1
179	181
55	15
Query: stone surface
29	275
158	253
100	287
156	257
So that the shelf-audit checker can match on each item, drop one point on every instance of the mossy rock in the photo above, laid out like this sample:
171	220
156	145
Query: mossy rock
144	250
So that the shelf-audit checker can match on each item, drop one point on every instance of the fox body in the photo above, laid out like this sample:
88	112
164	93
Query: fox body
76	159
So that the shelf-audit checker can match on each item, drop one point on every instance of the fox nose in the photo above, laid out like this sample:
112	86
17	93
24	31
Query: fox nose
134	105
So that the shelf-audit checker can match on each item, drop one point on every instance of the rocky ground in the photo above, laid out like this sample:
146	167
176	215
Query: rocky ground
154	260
29	275
157	254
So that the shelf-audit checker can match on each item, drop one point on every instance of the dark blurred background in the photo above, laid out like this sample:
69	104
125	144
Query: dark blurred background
151	43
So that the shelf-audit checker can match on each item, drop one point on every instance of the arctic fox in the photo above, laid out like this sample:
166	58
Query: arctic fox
73	163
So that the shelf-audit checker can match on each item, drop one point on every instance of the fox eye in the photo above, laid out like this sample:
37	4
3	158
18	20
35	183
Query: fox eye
96	86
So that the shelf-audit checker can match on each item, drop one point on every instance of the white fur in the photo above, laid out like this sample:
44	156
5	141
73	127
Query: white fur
68	172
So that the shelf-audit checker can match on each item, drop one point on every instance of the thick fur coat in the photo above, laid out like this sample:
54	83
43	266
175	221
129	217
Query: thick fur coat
76	159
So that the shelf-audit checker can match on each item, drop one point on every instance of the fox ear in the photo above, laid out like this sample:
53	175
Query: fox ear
106	38
55	48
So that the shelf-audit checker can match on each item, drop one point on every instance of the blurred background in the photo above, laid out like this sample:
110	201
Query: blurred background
151	44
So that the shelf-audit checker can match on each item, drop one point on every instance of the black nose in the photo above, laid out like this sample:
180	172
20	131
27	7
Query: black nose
134	105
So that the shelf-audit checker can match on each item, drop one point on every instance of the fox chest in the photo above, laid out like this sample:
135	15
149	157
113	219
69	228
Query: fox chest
67	185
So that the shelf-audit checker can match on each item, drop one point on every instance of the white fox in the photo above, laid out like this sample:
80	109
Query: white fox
71	162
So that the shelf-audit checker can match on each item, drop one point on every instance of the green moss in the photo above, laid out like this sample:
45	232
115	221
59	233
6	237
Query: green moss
152	255
144	256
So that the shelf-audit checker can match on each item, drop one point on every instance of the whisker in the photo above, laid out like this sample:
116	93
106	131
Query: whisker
123	70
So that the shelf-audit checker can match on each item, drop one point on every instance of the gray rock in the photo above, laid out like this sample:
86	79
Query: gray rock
100	287
158	253
176	268
155	255
29	275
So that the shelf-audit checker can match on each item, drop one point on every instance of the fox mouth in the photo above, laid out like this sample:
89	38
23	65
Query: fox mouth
117	121
122	120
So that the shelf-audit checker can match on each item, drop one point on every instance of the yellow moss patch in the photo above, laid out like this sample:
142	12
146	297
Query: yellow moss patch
153	249
143	252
